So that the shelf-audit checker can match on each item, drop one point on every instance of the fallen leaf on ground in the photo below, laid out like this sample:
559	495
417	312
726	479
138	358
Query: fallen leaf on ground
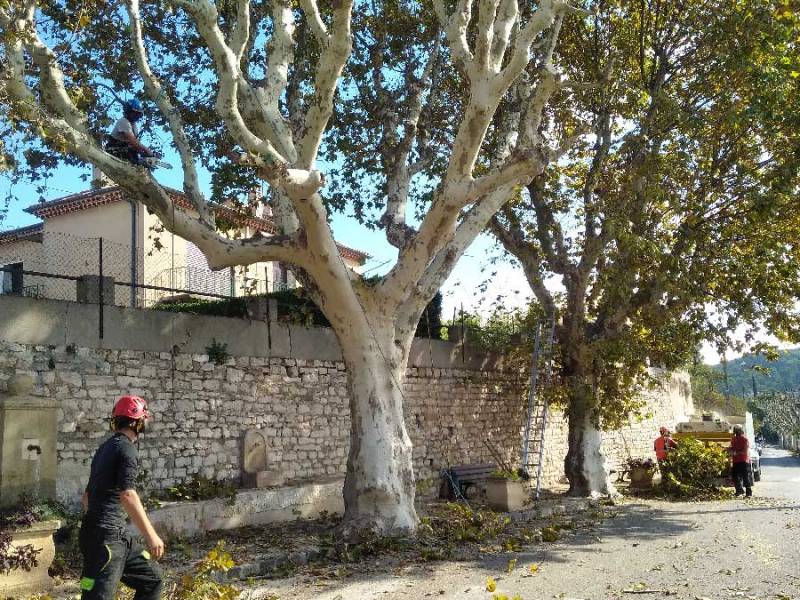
491	584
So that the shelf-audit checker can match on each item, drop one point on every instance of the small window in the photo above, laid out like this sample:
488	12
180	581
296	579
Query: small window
11	279
5	281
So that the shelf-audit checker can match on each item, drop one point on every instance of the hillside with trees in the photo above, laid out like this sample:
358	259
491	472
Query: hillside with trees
778	375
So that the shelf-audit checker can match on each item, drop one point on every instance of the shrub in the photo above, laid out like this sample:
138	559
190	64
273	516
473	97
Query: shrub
693	469
201	585
503	474
25	513
199	487
294	306
640	463
21	557
217	352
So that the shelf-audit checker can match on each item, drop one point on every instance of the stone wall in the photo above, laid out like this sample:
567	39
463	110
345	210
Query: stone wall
667	404
293	390
201	411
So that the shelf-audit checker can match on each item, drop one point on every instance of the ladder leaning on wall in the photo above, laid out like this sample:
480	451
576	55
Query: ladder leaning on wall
536	415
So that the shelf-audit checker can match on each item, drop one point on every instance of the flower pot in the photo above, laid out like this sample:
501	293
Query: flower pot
506	495
641	477
20	583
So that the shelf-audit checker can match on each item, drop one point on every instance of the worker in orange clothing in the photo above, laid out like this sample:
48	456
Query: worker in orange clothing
663	444
740	456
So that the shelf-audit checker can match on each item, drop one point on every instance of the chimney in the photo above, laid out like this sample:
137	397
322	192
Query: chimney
99	180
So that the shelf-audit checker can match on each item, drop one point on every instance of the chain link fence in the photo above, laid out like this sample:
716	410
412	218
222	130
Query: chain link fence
51	264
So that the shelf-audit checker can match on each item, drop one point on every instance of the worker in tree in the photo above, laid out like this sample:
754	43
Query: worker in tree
110	553
740	456
123	141
663	444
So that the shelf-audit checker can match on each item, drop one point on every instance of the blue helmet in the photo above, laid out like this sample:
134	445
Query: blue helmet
133	106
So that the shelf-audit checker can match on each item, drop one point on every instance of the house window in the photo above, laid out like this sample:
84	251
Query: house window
11	279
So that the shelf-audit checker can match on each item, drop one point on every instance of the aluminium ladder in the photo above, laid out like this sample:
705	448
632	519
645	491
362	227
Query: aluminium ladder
536	416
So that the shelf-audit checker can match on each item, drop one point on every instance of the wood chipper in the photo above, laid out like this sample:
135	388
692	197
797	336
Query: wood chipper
709	427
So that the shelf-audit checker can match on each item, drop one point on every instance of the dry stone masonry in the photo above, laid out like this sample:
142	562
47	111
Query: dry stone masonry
298	406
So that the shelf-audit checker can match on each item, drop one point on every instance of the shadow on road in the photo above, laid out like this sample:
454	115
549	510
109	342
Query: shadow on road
790	506
633	523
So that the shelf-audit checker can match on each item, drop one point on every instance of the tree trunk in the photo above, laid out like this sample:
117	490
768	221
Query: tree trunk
379	486
585	464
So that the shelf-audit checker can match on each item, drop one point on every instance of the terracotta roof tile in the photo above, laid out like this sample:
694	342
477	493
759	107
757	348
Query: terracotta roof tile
31	232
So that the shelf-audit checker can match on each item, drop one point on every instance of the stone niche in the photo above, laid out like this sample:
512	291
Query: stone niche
27	443
256	472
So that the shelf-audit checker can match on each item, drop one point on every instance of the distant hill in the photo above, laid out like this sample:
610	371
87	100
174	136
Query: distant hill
782	374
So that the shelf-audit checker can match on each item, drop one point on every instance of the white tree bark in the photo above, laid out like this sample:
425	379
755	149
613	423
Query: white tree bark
374	324
585	464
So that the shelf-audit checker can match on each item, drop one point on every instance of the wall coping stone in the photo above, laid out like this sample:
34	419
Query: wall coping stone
39	321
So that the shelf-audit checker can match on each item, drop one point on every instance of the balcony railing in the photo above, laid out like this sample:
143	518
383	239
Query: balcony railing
202	282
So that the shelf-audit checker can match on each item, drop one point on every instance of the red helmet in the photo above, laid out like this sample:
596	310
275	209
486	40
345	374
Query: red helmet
132	407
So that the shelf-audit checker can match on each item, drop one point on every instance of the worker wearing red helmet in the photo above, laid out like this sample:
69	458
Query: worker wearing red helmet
663	444
110	553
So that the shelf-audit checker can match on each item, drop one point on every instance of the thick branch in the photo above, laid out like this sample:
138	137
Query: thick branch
514	241
314	19
473	223
455	28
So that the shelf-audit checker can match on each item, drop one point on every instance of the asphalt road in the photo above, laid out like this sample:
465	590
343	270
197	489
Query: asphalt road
742	548
689	551
780	475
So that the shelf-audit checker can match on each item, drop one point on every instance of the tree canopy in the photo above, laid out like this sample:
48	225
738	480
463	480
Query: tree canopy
678	221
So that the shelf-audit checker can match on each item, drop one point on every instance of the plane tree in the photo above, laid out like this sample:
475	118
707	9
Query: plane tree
251	90
678	220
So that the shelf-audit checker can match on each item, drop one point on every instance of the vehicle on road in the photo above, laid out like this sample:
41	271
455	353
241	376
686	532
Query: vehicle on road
709	427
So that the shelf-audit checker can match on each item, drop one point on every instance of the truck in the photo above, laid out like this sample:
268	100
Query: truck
710	427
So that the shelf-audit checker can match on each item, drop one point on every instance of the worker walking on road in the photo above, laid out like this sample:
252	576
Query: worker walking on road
110	553
663	444
740	455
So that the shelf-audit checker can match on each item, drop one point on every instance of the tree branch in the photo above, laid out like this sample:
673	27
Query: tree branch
240	34
455	28
487	9
314	19
158	94
513	239
507	16
332	60
398	233
262	152
472	224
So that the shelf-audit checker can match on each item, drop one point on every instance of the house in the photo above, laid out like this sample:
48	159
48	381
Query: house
104	230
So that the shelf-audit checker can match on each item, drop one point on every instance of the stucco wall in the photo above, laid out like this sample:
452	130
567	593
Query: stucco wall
287	381
31	256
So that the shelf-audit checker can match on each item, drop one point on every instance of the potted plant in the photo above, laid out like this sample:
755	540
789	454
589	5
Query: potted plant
641	471
26	549
506	491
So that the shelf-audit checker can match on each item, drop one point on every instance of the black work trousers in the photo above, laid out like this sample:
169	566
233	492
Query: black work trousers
111	556
123	150
742	480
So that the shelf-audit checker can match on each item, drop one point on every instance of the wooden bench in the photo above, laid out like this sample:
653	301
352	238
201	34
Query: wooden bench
456	480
